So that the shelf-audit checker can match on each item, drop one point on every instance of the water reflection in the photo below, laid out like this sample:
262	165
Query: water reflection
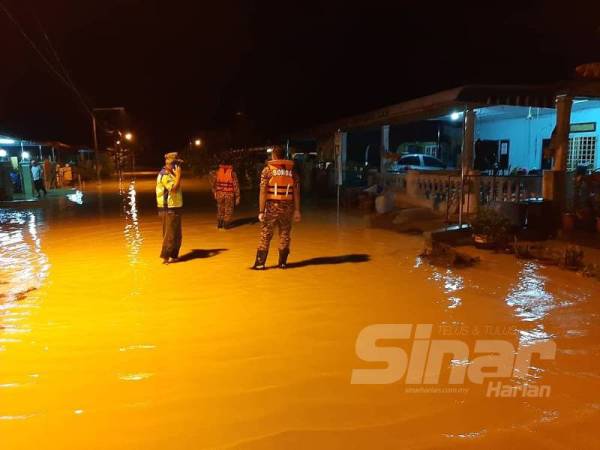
533	336
135	376
452	284
133	234
23	268
529	297
23	264
76	197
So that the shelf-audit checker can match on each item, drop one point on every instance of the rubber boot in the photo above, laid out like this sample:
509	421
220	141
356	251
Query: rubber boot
283	256
261	260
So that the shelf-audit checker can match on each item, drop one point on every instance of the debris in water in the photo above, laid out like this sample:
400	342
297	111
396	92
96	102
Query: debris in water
441	254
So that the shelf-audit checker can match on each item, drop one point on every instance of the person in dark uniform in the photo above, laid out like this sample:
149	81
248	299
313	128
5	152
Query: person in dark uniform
169	200
226	191
279	205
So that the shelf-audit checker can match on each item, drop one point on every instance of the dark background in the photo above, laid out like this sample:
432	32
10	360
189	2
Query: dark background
183	67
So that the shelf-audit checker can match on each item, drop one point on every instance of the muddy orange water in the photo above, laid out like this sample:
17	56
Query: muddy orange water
102	347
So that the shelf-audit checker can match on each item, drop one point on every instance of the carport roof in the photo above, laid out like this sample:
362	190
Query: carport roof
444	102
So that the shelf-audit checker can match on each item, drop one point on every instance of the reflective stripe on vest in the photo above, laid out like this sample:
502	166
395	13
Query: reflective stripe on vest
281	182
224	179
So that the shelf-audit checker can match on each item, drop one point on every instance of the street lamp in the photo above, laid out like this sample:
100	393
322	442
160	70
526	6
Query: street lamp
129	136
198	142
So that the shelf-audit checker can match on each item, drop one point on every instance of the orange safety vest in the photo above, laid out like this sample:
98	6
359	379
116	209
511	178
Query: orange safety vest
281	183
224	182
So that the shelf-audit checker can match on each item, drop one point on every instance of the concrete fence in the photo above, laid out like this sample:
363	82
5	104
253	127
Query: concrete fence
440	190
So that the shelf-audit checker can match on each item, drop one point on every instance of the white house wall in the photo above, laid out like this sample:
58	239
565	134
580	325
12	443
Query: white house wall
526	135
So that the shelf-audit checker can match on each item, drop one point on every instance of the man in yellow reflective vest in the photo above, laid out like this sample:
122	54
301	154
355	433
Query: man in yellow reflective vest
226	191
170	201
279	204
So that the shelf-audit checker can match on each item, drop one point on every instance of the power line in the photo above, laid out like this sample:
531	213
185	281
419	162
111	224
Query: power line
59	62
65	79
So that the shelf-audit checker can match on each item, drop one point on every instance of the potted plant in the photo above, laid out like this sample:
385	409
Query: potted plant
490	228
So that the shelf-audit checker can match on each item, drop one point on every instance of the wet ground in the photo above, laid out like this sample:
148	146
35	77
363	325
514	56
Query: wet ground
102	347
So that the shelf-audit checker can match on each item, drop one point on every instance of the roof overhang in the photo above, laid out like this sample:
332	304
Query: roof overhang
445	102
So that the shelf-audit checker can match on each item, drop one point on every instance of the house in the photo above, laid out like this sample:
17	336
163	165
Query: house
507	142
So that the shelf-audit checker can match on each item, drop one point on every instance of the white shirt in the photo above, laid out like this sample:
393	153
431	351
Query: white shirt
36	171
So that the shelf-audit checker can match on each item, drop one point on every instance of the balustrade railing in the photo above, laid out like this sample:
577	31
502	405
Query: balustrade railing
510	188
442	189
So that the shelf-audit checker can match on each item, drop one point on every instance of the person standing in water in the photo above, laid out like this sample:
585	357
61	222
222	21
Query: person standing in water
226	191
169	200
279	204
37	173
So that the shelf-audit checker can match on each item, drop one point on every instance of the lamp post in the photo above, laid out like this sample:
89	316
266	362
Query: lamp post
129	138
194	142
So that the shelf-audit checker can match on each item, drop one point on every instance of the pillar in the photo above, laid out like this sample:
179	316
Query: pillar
471	177
385	146
564	104
555	180
340	147
26	178
468	159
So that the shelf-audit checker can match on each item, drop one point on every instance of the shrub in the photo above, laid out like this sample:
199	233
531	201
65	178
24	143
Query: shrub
491	223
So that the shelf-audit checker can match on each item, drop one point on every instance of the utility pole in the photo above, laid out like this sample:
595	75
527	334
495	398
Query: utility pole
96	150
96	155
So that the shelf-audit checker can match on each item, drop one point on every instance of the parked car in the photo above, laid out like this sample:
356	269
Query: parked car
417	161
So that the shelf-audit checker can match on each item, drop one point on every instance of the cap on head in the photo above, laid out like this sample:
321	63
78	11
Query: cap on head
172	157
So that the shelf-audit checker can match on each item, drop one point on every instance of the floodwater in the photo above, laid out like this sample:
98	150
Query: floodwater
103	347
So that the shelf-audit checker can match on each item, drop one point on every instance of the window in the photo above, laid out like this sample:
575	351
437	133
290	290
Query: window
582	152
433	162
431	150
410	161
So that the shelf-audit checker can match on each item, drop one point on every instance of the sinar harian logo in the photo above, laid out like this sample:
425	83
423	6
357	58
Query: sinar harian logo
420	360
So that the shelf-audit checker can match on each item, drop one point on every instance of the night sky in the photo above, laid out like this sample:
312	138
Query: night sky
183	67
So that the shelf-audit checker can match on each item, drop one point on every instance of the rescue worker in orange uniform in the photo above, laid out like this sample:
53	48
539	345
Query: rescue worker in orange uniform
279	204
226	191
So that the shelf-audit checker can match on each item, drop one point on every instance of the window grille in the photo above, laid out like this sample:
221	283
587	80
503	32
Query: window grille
582	152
